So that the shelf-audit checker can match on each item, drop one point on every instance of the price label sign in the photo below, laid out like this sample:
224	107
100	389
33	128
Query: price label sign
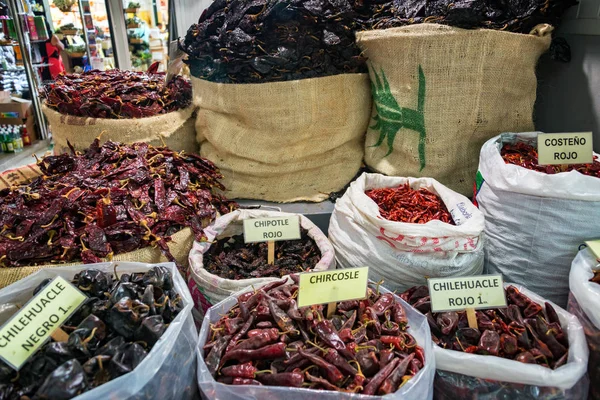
272	229
332	286
28	329
565	148
469	292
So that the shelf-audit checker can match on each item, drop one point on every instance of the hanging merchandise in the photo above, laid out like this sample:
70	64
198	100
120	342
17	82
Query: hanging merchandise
532	350
433	110
405	252
286	361
125	202
134	332
584	298
222	265
534	221
284	100
120	105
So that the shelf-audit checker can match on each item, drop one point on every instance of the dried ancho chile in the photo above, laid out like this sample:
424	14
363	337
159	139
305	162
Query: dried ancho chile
117	94
404	204
97	351
112	199
243	41
526	156
349	353
231	258
596	277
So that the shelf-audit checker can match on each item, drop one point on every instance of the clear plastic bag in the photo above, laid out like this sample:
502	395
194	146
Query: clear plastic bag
419	387
167	372
462	375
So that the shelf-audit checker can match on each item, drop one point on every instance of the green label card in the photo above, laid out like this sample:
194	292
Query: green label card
478	292
28	329
332	286
565	148
272	229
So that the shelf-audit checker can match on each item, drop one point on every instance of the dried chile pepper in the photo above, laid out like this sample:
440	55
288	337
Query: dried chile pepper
289	379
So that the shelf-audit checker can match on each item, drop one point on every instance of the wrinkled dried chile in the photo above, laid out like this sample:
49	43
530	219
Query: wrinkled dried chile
404	204
525	331
526	156
345	353
112	199
243	41
117	94
231	258
596	277
108	336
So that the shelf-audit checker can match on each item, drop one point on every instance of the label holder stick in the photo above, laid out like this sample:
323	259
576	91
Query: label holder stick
331	307
59	335
472	318
271	252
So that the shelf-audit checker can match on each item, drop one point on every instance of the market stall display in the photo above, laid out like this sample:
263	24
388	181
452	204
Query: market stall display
127	201
531	350
134	332
219	268
375	346
283	96
123	106
534	221
396	247
583	303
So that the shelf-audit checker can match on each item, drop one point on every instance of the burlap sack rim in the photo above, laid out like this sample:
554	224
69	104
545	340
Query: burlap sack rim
430	29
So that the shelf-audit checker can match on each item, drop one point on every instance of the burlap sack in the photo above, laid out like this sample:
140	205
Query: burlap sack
176	128
284	141
440	92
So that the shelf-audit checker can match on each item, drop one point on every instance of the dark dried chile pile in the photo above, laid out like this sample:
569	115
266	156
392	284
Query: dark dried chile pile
526	156
117	94
512	15
112	199
231	258
256	41
404	204
267	340
112	332
523	332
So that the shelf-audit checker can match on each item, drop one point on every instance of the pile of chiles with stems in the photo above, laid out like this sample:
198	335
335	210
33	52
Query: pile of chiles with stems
526	156
267	340
404	204
524	331
109	335
231	258
112	199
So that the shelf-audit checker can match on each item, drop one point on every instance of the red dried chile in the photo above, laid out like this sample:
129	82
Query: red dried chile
112	199
596	278
526	156
404	204
117	94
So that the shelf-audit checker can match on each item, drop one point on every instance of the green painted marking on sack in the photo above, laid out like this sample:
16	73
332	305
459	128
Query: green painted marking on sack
390	117
479	180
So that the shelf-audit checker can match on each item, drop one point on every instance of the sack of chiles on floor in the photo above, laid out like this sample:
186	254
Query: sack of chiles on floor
133	333
261	339
532	349
224	264
584	282
406	230
535	217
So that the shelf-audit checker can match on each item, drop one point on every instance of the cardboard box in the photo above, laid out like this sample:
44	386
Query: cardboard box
19	112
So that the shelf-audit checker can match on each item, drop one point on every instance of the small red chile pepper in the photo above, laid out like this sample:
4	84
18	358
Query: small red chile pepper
336	359
331	371
246	370
213	358
378	379
290	379
258	340
393	381
276	350
281	318
383	303
242	331
238	381
385	356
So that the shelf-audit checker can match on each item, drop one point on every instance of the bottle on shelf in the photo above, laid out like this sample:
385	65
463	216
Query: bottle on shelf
25	136
16	140
8	143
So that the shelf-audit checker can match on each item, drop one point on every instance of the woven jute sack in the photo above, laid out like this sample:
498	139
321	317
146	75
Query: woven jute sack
180	246
440	92
284	141
176	129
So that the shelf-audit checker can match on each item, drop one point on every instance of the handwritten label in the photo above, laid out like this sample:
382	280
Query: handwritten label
594	246
272	229
477	292
565	148
332	286
28	329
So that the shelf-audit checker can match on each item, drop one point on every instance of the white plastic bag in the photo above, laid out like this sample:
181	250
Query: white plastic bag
419	387
534	222
509	379
168	370
584	300
405	255
208	289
